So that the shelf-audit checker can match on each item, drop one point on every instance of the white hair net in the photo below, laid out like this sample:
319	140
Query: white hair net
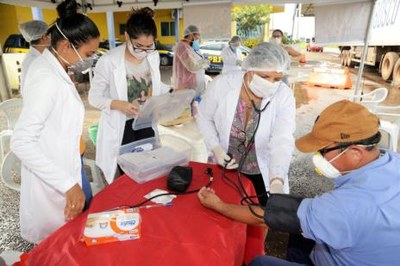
267	57
191	29
33	30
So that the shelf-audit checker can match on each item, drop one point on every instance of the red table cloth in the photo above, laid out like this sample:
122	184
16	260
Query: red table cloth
183	234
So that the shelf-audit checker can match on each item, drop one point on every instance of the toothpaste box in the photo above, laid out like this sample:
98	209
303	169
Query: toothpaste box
111	226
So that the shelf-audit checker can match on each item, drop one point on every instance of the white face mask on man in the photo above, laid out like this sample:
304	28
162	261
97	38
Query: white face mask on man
325	167
263	88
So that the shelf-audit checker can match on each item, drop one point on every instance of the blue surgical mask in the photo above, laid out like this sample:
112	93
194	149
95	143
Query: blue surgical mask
196	45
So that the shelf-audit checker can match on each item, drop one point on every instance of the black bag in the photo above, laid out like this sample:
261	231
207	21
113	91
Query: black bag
179	179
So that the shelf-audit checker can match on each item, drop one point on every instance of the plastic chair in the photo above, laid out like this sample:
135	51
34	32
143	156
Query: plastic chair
391	125
372	99
97	183
5	138
11	171
93	133
10	256
12	109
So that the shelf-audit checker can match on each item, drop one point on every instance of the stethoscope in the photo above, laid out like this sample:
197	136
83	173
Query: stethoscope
258	110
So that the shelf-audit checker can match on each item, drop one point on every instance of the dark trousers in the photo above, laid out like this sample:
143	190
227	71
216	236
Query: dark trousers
297	253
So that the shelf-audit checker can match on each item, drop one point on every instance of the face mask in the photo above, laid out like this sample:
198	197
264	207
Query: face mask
234	47
83	65
325	167
277	40
196	45
138	55
263	88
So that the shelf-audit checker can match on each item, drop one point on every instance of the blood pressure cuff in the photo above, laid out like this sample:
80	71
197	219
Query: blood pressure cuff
179	179
281	213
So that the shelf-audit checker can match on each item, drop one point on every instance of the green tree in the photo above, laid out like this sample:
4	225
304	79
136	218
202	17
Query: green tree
250	17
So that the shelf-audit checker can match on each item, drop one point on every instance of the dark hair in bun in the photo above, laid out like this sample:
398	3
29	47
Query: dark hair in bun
76	27
141	22
67	8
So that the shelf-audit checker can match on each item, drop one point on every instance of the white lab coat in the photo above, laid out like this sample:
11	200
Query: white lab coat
230	58
47	139
28	59
274	141
109	83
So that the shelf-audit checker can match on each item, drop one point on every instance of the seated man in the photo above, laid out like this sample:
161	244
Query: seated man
357	223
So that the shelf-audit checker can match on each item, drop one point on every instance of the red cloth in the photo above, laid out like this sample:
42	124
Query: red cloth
183	234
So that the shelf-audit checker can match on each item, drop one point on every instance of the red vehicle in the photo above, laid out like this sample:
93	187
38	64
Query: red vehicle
313	48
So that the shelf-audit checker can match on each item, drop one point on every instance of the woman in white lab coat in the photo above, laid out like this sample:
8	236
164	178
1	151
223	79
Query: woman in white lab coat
35	33
47	135
232	58
121	78
241	105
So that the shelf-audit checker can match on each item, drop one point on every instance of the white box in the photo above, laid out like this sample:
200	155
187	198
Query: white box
148	165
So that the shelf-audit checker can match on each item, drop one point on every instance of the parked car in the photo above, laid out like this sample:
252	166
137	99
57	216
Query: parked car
15	43
313	48
106	45
166	53
212	50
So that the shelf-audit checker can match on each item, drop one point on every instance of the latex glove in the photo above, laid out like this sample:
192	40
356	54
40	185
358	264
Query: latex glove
224	159
276	186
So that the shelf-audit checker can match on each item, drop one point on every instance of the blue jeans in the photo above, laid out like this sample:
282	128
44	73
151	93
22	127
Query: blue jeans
86	187
263	260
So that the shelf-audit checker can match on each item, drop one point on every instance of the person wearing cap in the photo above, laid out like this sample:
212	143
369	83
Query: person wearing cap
189	64
231	55
357	223
35	33
251	116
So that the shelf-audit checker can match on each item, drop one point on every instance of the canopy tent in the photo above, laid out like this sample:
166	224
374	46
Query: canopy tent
337	21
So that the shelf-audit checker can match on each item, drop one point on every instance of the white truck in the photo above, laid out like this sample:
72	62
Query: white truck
384	43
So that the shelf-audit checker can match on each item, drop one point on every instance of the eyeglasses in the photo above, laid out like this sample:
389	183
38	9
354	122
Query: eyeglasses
326	150
139	49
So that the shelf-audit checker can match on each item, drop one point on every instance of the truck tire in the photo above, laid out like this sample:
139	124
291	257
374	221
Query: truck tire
388	64
343	57
396	72
349	56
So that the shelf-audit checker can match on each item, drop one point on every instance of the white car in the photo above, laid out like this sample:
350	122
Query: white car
212	50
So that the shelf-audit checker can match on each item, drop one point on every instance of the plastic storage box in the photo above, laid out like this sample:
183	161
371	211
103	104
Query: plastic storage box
151	164
148	165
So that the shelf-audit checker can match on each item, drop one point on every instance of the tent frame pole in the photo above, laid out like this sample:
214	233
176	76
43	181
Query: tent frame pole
365	50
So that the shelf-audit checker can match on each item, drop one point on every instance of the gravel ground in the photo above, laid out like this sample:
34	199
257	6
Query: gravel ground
303	181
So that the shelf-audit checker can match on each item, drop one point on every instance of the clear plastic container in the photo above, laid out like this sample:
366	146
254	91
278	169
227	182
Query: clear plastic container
140	146
148	165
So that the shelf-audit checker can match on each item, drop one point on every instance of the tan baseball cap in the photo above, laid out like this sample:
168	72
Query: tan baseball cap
343	121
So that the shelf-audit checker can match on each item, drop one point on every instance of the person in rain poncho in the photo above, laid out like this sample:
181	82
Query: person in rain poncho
251	116
35	33
231	56
189	63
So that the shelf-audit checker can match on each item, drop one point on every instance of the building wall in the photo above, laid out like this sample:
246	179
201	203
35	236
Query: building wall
121	18
8	22
214	20
100	19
